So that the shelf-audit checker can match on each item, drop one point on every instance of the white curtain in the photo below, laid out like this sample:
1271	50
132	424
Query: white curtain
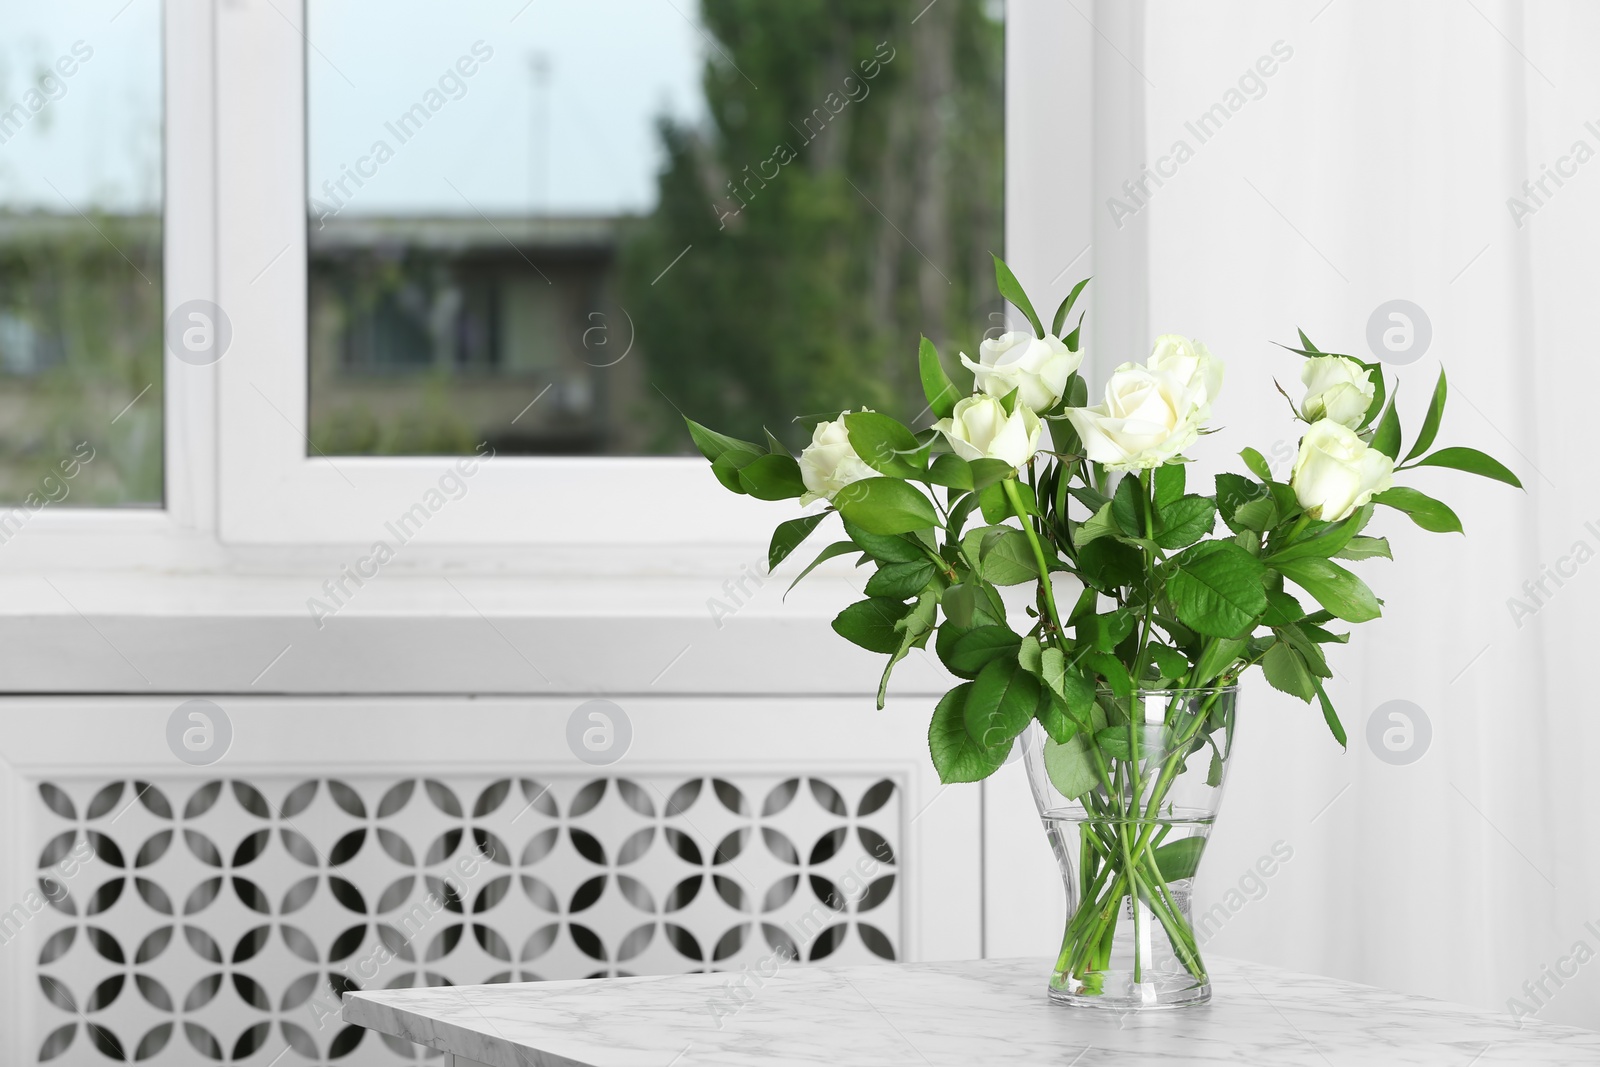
1354	153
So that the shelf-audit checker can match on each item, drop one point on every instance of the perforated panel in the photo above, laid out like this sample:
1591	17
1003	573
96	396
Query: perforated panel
217	918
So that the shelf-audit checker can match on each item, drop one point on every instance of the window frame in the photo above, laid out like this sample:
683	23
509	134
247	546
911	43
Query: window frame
270	490
238	478
134	535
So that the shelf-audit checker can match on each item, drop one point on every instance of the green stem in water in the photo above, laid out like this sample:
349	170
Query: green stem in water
1140	877
1087	939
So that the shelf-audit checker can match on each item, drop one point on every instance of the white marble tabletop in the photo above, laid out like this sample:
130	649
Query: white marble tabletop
990	1012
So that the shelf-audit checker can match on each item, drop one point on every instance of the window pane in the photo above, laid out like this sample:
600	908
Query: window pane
549	225
80	255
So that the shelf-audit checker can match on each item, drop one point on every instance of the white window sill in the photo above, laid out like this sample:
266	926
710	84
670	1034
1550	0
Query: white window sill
207	620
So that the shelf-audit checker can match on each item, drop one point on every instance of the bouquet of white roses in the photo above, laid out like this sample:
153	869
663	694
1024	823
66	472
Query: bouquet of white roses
1136	590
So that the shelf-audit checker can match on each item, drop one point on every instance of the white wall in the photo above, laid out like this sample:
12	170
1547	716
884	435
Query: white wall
1375	164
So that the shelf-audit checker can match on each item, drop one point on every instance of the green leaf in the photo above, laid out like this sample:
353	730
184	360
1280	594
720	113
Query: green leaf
1257	516
1011	289
1105	632
1169	661
1184	521
1430	422
1114	742
949	469
981	646
1284	499
1305	342
1386	438
1030	655
870	623
1128	507
713	444
1092	499
1379	393
1071	340
993	504
1302	643
1426	512
1333	587
960	512
1075	691
1169	479
883	444
885	506
1052	715
1177	860
1063	438
771	477
1180	635
1077	388
1108	563
1257	464
1070	766
996	505
1361	547
1066	307
1001	703
1321	636
956	756
1112	670
987	472
1326	542
1096	526
1286	672
1241	500
1282	609
940	391
838	548
727	465
900	580
1473	462
788	536
884	548
1234	491
959	603
914	629
1217	589
1330	716
972	544
1217	657
1007	559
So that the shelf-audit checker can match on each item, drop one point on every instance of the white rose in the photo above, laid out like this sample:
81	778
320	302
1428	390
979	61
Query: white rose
1192	364
1147	418
1036	366
829	463
1337	388
979	428
1336	472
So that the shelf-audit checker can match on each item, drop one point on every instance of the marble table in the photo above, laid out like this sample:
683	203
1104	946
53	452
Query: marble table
988	1012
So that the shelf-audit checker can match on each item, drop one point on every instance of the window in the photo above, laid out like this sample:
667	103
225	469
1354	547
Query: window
81	271
374	343
765	218
550	226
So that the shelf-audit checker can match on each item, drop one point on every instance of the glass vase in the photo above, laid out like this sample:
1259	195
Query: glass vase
1128	818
